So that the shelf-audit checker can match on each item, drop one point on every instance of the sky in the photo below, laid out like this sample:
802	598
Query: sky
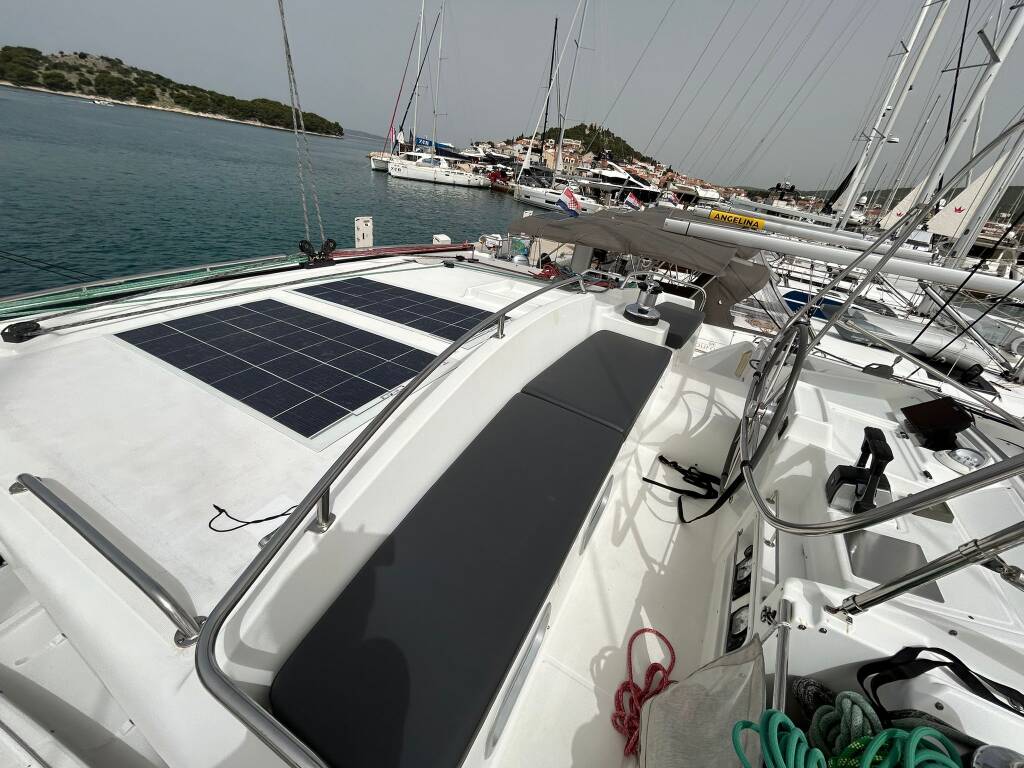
736	91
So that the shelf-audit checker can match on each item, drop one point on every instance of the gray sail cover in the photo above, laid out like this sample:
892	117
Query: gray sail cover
641	233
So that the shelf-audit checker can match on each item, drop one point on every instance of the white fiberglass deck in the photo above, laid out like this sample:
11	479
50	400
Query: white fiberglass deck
148	449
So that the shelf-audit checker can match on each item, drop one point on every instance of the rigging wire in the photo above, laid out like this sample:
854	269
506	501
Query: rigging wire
770	91
750	85
299	125
872	105
391	128
817	67
45	266
750	58
632	71
848	35
686	80
956	77
948	56
685	111
1017	220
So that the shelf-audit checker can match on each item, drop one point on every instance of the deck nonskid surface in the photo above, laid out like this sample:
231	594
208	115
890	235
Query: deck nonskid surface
642	570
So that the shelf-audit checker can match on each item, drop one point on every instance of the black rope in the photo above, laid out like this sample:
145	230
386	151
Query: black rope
1017	220
242	523
48	266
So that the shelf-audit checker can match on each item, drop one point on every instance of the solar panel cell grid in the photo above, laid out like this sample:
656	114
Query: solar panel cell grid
430	314
301	369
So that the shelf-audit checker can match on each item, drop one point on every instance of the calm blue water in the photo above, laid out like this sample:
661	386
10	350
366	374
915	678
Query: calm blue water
117	190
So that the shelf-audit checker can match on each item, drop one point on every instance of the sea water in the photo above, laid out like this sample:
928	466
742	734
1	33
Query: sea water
90	191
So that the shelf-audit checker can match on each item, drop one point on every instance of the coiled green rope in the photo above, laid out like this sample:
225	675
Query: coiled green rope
783	745
835	726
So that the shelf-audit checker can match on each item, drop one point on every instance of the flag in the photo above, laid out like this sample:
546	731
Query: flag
567	202
633	202
391	135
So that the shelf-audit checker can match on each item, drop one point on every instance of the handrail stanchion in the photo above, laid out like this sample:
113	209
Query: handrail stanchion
324	516
187	626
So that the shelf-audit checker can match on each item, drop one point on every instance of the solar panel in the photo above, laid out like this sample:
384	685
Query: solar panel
301	369
440	317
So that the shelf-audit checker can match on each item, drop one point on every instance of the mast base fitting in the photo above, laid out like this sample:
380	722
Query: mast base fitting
638	313
15	333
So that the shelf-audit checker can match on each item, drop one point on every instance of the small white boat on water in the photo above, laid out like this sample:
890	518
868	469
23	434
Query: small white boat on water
379	161
546	197
423	167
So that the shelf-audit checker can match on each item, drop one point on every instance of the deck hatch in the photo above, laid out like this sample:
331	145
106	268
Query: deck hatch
301	369
430	314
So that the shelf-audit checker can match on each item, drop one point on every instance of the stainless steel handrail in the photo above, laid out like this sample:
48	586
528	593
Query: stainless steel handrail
974	551
988	404
255	717
187	626
750	455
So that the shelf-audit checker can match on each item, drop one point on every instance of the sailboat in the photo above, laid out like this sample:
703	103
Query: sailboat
432	167
548	197
380	159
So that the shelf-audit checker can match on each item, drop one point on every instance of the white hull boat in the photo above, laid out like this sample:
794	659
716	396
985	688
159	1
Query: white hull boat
544	197
436	170
379	161
400	475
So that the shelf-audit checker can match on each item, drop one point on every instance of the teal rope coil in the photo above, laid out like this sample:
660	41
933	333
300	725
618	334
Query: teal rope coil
783	745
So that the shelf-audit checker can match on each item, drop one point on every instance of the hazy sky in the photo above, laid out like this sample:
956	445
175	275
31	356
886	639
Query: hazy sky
780	91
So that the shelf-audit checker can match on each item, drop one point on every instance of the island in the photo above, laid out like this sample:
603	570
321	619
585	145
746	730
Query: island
109	79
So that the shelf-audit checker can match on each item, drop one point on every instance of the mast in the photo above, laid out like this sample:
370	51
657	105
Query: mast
876	136
981	109
908	86
437	80
536	127
956	76
419	73
997	55
568	94
1010	164
416	88
551	75
398	98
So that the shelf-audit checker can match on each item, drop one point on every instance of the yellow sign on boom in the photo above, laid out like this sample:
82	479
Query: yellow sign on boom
746	222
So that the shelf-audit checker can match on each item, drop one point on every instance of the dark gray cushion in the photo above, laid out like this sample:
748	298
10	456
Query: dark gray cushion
404	664
682	322
607	378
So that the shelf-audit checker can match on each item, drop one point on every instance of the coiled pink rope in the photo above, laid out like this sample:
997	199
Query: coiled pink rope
630	697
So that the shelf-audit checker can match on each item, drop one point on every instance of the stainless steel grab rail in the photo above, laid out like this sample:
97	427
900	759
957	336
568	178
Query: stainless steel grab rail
188	627
255	717
750	454
937	372
974	551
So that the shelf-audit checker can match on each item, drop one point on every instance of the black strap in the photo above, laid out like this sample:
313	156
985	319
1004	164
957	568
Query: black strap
906	665
693	476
